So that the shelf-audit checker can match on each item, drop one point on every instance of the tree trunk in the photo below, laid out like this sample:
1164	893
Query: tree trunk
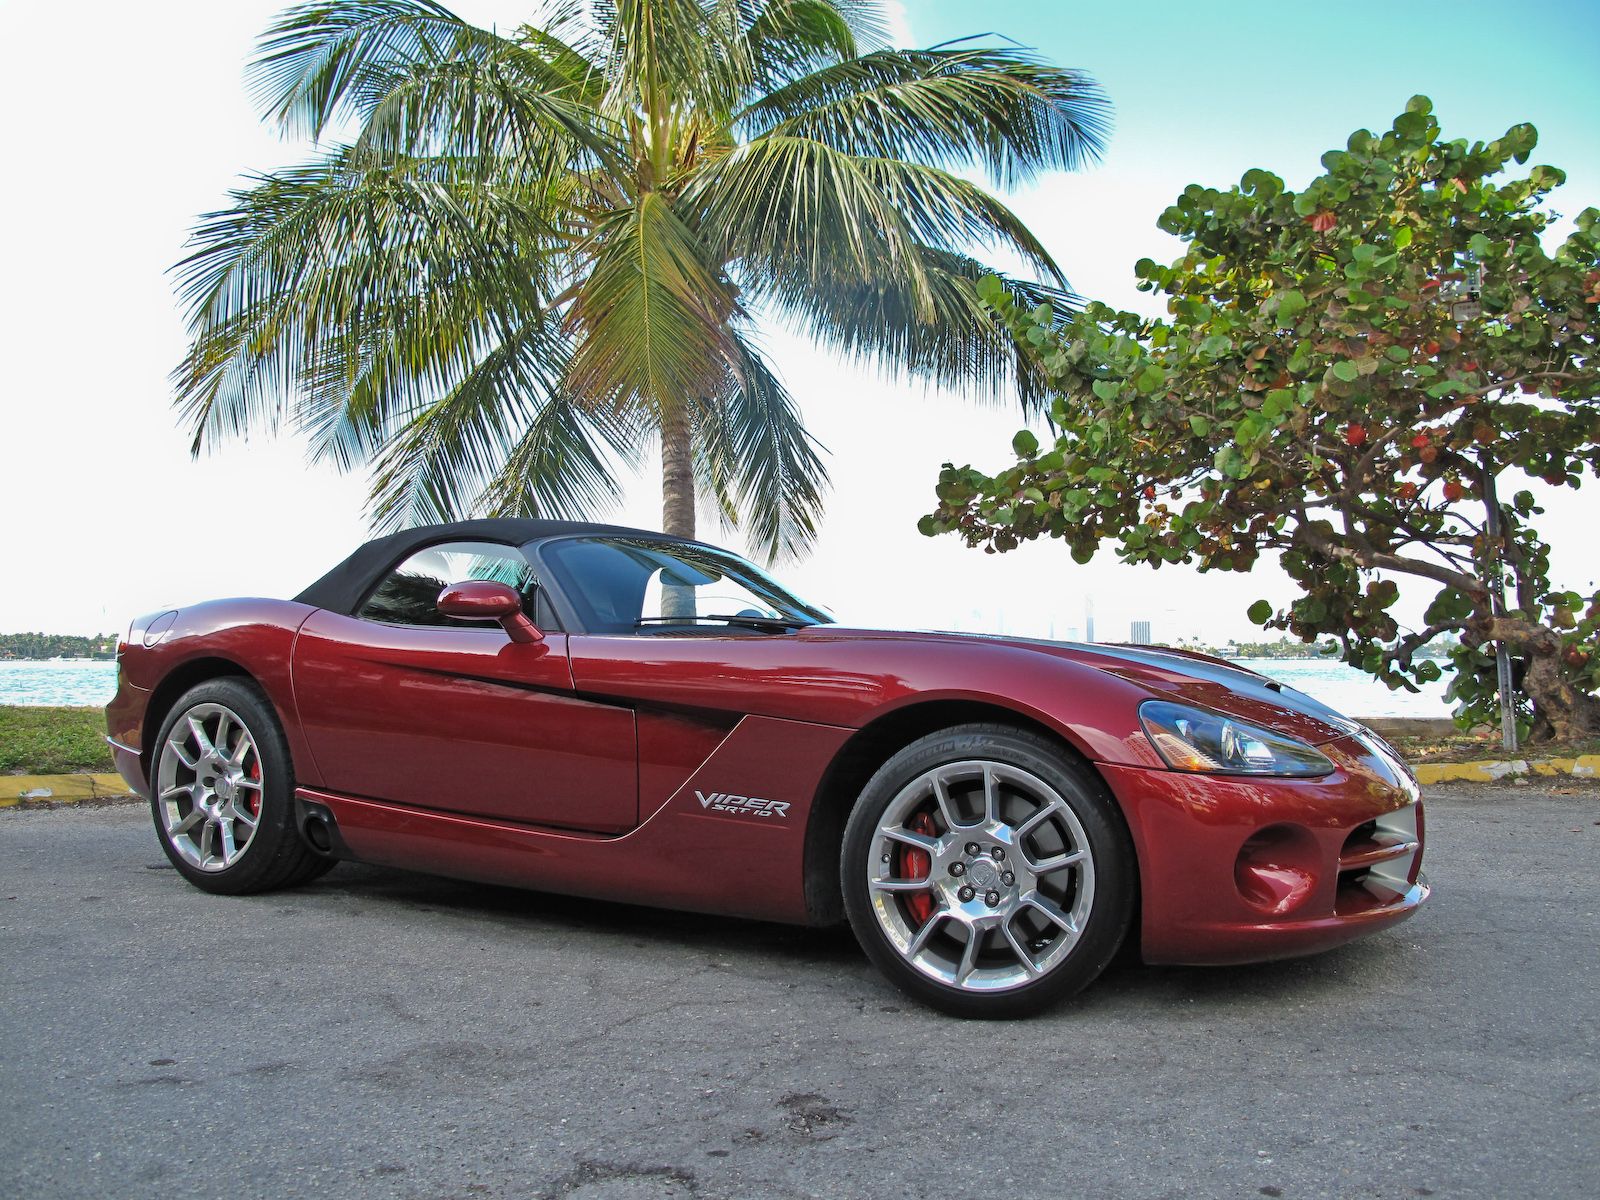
677	502
1561	712
677	473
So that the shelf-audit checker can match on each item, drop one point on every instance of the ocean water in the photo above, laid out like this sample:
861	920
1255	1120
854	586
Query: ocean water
79	682
1333	683
1350	691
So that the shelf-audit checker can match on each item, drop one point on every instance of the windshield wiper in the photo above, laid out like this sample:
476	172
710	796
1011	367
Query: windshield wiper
766	624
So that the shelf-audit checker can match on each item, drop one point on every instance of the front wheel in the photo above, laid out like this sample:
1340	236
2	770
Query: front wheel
222	792
987	873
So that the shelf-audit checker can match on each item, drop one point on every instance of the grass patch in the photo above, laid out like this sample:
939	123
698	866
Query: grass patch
52	741
1477	747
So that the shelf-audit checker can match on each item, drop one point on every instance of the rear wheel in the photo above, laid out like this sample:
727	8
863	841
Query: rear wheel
987	873
222	792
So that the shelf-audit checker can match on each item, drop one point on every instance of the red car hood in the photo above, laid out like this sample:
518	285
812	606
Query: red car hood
1180	675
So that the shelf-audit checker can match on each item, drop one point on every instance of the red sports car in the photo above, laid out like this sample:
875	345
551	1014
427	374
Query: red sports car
620	714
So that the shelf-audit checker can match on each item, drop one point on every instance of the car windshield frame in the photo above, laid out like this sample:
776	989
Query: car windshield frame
563	574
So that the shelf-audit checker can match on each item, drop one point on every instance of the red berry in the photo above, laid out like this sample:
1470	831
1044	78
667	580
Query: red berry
1453	490
1420	440
1149	491
1407	490
1355	435
1431	349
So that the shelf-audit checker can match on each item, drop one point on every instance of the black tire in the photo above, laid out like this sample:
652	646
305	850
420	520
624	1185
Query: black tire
1105	889
273	856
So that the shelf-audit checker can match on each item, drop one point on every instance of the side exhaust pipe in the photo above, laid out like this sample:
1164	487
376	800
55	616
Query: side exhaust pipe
319	829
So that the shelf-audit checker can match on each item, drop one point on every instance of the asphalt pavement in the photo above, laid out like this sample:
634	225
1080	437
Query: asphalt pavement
383	1034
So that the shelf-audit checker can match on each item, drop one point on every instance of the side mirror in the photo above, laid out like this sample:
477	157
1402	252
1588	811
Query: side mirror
486	600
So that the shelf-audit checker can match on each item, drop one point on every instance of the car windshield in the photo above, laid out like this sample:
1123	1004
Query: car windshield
640	585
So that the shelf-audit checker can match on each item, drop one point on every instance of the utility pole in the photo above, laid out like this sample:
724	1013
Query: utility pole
1495	532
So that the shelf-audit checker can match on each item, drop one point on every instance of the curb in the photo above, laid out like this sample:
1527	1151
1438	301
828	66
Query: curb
60	789
1487	771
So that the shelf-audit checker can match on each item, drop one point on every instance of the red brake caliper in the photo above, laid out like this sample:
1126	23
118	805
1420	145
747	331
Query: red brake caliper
915	864
255	793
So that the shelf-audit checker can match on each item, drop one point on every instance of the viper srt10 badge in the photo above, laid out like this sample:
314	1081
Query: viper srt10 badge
744	806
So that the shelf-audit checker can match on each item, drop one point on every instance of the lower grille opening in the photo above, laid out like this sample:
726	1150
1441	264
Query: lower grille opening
1379	862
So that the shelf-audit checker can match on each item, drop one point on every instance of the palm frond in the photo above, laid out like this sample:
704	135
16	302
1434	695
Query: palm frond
395	275
651	321
1003	110
328	60
752	452
879	321
564	466
449	450
789	38
794	208
669	56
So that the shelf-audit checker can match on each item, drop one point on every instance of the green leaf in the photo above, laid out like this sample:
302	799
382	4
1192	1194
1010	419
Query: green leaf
1199	424
1107	389
1402	237
1260	612
1345	370
1025	444
1290	305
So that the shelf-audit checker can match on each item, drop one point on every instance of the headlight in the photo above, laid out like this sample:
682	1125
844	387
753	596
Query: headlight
1196	739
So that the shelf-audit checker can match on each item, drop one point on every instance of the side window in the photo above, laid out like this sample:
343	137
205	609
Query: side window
407	594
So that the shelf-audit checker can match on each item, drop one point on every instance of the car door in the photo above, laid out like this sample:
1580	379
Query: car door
402	704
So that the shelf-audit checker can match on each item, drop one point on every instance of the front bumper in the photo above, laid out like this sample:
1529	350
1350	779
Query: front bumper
1239	869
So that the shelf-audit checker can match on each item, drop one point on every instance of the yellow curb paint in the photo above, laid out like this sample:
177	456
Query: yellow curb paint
1487	771
69	789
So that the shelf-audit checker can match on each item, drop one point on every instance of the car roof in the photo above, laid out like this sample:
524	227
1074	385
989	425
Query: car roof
343	588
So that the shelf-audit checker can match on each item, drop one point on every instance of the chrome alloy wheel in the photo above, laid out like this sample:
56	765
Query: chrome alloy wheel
209	787
981	875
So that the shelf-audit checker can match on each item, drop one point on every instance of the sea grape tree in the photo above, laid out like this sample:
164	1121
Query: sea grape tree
1360	377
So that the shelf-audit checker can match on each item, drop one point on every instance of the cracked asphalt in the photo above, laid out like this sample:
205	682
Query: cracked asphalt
382	1034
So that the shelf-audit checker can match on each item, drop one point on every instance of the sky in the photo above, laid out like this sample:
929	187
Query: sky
106	515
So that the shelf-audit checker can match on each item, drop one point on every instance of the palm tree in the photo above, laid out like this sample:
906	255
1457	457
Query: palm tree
533	253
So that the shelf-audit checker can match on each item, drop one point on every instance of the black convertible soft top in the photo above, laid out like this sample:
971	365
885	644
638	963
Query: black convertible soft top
343	588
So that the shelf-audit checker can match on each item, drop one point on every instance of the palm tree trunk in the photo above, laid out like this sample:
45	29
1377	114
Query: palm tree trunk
677	473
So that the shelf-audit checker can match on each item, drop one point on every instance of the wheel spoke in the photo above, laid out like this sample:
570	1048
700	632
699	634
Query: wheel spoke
201	741
242	750
969	957
1038	818
207	839
1051	912
941	796
178	789
1024	956
898	833
900	885
920	942
242	814
991	795
1045	865
230	848
189	822
180	752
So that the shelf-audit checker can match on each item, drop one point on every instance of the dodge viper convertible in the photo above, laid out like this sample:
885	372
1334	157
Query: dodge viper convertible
634	717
